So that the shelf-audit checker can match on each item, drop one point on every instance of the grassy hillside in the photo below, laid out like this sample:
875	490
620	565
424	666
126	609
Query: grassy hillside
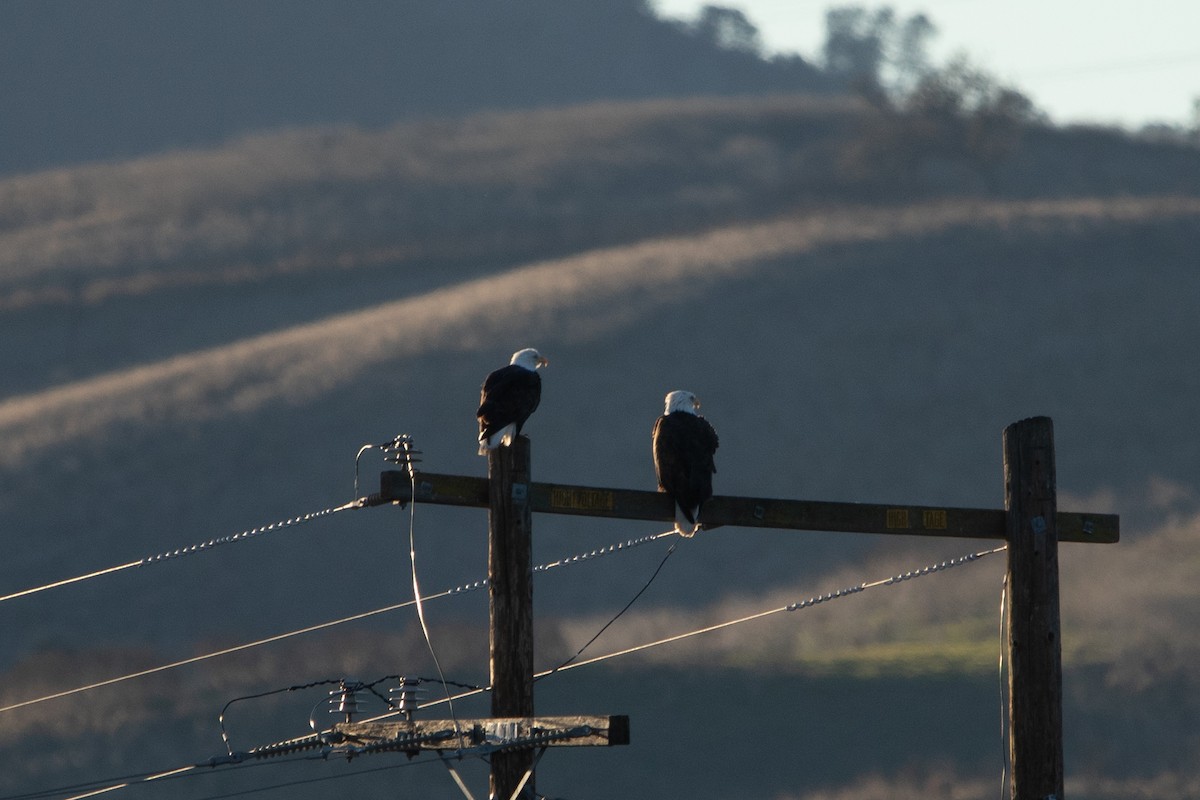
275	230
513	186
85	82
176	386
440	191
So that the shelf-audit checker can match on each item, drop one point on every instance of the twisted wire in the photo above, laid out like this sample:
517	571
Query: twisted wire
272	527
191	550
249	534
603	551
893	580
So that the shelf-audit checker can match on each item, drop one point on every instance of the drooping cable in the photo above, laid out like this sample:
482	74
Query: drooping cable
404	444
357	457
389	449
299	687
628	605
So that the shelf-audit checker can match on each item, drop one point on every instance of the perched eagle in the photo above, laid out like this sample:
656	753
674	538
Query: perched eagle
684	444
509	395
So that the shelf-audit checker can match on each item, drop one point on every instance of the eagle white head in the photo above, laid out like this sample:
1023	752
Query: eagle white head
680	400
529	359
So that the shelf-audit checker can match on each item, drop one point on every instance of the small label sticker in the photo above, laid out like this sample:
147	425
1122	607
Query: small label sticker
934	519
582	499
1038	524
520	492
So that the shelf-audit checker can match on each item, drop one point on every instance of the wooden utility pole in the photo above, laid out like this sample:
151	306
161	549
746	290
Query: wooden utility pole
1035	741
512	734
510	603
1030	522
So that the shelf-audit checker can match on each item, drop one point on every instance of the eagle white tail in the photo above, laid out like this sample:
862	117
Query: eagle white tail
504	436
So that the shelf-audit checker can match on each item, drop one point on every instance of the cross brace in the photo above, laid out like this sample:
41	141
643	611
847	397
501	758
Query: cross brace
488	734
748	512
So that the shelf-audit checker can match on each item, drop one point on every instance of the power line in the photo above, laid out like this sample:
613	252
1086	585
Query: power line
194	771
193	549
75	787
215	654
809	603
97	787
76	579
800	605
460	589
359	502
152	777
803	604
306	781
133	778
168	555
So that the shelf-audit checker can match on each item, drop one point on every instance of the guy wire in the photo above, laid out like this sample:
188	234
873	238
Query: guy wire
628	605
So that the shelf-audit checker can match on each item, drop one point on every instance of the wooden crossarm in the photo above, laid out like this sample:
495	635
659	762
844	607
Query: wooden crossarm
747	512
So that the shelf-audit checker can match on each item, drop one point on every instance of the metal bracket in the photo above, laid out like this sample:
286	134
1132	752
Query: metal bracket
454	774
528	774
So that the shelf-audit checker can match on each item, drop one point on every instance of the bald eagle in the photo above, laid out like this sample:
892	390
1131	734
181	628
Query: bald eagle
684	444
509	395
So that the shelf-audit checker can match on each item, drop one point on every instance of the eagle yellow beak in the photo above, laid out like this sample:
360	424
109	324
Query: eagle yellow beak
542	362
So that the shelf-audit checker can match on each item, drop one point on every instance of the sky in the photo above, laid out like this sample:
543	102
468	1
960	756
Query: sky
1122	62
